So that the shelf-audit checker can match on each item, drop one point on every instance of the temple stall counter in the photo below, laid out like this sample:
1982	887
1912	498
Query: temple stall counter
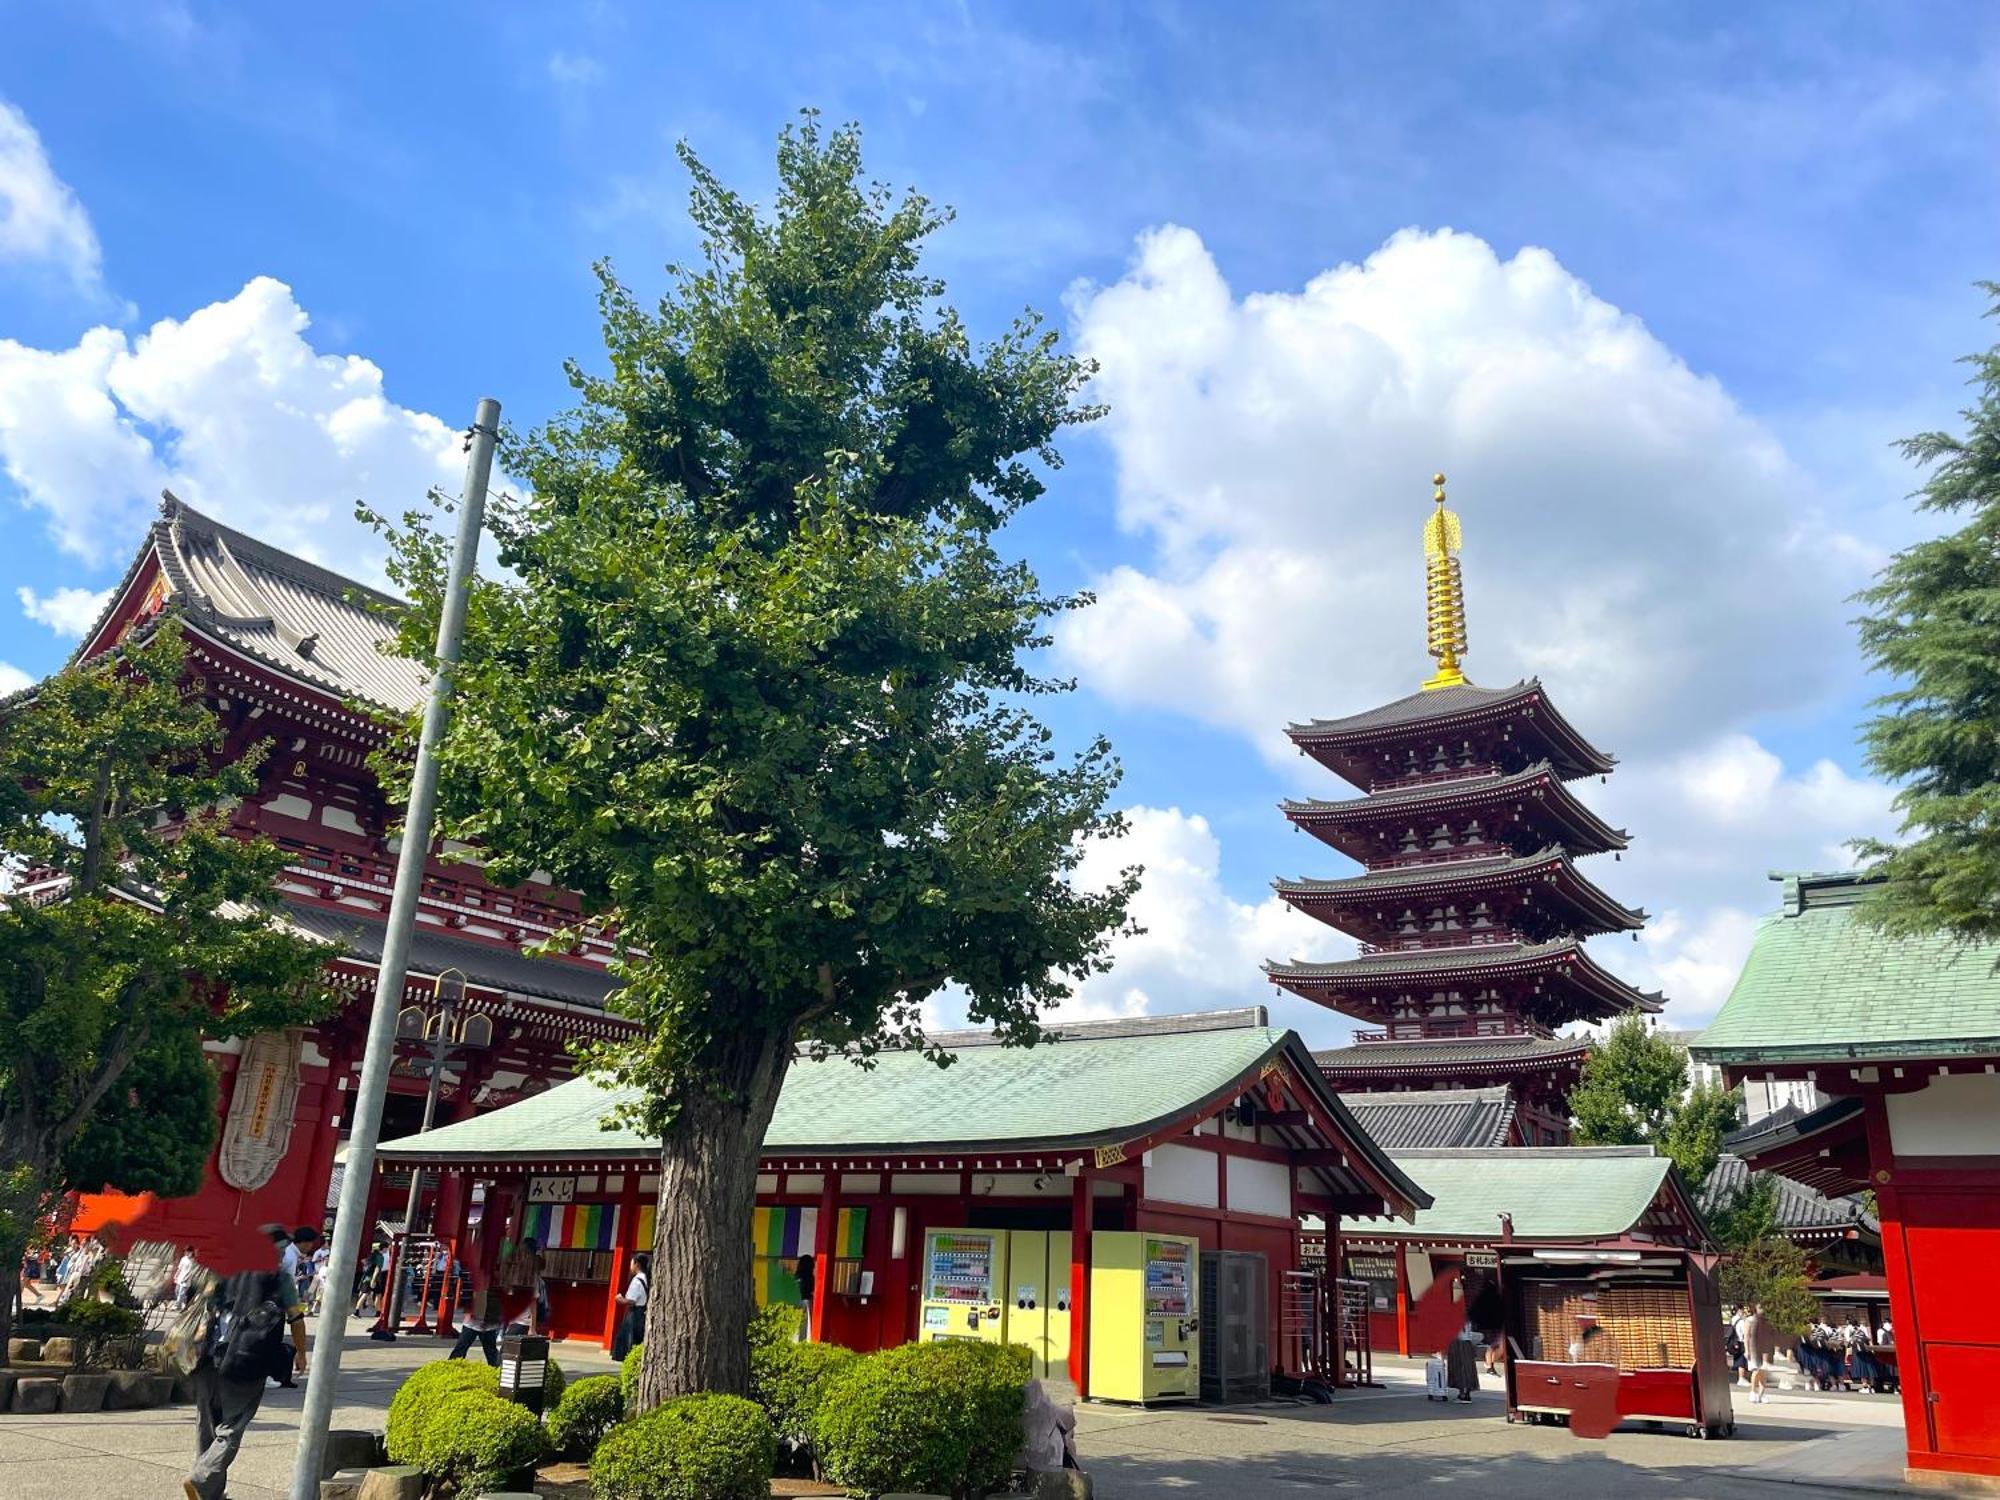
1658	1311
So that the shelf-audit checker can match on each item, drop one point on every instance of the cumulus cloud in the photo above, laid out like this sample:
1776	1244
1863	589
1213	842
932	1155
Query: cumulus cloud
1632	536
1630	532
1199	948
41	221
232	408
67	611
12	679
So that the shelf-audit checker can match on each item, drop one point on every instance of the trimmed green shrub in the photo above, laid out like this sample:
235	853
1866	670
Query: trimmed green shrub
417	1400
628	1378
942	1417
789	1380
447	1418
697	1448
773	1324
553	1385
106	1335
474	1442
590	1407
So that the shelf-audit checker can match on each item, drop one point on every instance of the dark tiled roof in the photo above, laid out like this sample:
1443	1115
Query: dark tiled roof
1594	835
1450	1052
1420	707
1783	1127
1801	1210
288	614
485	964
1435	1117
1461	873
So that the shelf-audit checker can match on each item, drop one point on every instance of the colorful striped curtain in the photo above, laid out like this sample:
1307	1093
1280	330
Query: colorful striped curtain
572	1226
778	1237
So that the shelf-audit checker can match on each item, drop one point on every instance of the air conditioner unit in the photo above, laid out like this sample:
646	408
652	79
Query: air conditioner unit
1235	1326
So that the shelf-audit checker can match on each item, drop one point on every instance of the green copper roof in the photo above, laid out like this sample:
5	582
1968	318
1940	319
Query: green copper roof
1099	1083
1553	1192
1820	984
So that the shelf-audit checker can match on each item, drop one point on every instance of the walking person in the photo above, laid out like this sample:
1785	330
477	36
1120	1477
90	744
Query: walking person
1759	1346
185	1270
480	1321
632	1319
246	1348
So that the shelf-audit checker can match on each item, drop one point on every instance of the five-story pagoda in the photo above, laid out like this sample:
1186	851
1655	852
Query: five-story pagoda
1471	911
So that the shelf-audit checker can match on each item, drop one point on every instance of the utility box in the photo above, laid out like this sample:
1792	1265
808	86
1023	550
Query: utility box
1144	1317
1038	1304
1235	1326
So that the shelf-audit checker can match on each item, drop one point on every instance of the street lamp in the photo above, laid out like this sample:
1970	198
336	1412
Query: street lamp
448	994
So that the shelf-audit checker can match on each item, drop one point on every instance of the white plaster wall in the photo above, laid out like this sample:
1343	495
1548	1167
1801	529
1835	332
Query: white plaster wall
1957	1114
1259	1187
1181	1174
937	1184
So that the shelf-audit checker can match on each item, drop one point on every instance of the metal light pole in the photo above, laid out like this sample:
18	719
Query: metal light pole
367	1118
448	996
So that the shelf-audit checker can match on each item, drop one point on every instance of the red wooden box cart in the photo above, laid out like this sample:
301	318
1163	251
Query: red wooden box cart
1658	1355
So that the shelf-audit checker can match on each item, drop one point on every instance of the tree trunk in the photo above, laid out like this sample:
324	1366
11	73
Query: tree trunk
21	1200
698	1312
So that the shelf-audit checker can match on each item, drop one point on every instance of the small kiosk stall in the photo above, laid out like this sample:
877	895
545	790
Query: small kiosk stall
1657	1350
1061	1197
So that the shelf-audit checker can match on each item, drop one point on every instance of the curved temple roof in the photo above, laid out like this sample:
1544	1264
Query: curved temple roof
1538	787
1458	878
1564	960
1463	705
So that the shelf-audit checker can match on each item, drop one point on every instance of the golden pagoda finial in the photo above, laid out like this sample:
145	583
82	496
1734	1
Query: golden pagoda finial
1444	592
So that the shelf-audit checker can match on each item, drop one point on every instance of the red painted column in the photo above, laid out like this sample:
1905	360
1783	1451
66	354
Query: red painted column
829	1218
1402	1301
1079	1285
455	1223
627	1246
311	1208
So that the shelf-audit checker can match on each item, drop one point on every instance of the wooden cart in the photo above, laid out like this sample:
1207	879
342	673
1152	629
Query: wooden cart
1658	1312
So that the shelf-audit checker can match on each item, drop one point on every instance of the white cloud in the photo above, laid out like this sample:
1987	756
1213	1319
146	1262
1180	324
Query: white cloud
12	679
67	611
1630	533
41	221
1631	536
232	408
1199	948
574	69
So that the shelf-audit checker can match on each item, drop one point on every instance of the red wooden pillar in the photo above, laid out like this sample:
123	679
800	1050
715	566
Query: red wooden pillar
625	1247
455	1223
311	1207
1402	1300
1079	1285
823	1243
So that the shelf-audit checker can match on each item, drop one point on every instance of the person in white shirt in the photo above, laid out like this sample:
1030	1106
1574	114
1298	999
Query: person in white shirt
632	1321
184	1273
1754	1329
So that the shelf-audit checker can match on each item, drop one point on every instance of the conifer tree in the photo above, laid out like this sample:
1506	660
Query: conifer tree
1933	625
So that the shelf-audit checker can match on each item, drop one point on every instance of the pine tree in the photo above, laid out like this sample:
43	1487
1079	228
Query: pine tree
1934	626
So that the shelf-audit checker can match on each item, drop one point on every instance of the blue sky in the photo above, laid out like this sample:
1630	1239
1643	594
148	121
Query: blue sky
1750	246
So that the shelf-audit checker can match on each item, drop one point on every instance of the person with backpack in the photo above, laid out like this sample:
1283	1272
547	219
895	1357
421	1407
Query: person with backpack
245	1346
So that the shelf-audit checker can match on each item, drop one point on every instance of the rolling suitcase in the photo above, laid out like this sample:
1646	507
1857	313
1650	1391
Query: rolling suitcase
1435	1388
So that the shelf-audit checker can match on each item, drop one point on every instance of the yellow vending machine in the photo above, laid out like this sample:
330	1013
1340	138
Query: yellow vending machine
965	1273
1038	1307
1145	1340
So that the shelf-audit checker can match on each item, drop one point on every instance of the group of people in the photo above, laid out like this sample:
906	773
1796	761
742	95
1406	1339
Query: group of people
66	1268
1849	1356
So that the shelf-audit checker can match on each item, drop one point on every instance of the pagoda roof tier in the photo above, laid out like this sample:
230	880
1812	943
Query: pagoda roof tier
1349	746
1545	805
1483	1056
1576	988
308	623
1353	904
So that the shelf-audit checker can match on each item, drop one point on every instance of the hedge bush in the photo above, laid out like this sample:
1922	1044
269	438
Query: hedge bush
790	1380
696	1448
447	1418
628	1378
941	1417
553	1385
589	1408
773	1324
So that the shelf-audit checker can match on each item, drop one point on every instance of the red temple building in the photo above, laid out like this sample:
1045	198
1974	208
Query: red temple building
1471	909
290	653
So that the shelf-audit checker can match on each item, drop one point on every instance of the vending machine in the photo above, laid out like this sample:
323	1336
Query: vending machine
1145	1340
1038	1307
965	1276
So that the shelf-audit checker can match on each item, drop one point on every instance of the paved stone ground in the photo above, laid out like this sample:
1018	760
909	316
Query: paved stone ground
1388	1443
